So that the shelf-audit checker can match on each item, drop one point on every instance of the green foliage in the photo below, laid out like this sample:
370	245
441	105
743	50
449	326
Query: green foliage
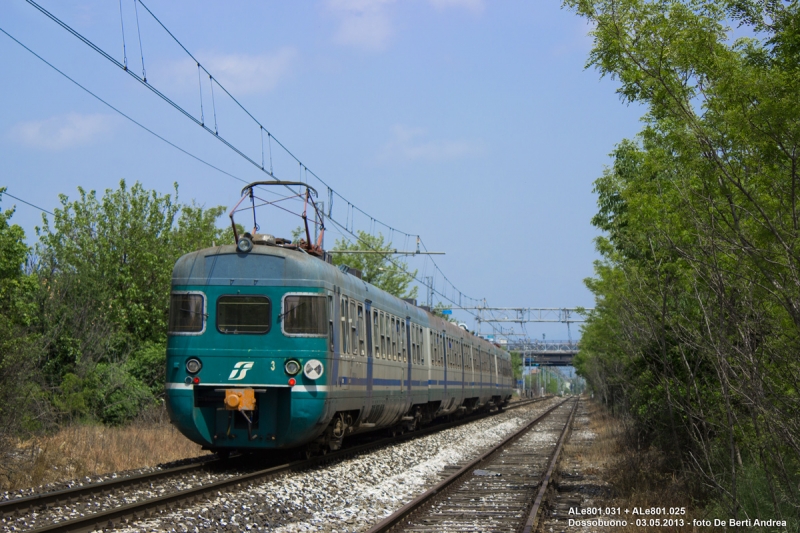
83	329
115	396
438	310
697	317
19	349
107	393
390	276
516	365
148	364
107	264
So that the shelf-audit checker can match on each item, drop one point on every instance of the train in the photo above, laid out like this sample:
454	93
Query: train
272	347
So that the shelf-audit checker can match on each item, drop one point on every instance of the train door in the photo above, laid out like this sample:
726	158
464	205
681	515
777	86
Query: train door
445	355
427	354
496	377
463	367
370	352
344	345
360	345
408	349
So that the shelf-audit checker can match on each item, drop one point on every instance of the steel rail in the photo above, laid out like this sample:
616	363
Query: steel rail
147	508
426	497
533	516
43	500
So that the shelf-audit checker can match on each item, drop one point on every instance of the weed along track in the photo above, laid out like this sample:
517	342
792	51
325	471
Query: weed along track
168	496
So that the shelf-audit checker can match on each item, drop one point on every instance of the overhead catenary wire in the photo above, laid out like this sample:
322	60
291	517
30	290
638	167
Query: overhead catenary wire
6	193
186	113
402	267
122	27
110	106
139	33
352	209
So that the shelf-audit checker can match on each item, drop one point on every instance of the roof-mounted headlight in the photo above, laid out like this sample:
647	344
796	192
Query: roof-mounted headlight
245	244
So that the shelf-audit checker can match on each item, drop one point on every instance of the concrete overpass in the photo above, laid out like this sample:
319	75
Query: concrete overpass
545	353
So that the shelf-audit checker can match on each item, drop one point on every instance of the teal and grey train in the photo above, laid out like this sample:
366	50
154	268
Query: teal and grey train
270	347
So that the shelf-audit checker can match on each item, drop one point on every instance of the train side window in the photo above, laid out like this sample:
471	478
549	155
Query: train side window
353	321
243	314
187	313
307	315
362	333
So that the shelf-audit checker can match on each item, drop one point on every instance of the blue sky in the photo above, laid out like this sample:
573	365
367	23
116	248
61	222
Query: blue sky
471	123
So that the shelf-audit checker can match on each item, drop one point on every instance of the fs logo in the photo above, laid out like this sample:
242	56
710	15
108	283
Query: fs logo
241	369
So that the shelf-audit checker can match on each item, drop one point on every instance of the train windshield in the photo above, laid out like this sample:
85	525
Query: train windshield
243	314
305	315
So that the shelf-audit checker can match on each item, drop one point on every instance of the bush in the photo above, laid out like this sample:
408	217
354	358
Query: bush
108	393
147	364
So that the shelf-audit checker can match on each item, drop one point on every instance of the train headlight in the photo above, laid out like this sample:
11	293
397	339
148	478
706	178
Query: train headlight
193	366
292	367
245	244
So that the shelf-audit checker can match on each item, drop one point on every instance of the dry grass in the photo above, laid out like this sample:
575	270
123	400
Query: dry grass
636	478
89	450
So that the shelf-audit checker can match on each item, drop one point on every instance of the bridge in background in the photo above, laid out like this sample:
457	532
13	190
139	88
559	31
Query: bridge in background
545	353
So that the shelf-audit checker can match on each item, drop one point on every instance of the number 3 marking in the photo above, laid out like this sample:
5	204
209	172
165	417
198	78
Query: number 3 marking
272	366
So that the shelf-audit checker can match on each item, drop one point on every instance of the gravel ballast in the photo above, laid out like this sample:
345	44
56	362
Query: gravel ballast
350	495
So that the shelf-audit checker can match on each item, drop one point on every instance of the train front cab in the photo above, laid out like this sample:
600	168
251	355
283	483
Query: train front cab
246	355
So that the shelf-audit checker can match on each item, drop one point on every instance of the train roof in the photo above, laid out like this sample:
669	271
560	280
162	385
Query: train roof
270	265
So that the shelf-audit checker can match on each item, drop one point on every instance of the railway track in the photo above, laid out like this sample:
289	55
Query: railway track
501	490
88	508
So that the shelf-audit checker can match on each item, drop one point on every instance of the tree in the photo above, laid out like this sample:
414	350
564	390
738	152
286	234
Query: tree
106	266
516	366
390	276
20	348
697	321
439	309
